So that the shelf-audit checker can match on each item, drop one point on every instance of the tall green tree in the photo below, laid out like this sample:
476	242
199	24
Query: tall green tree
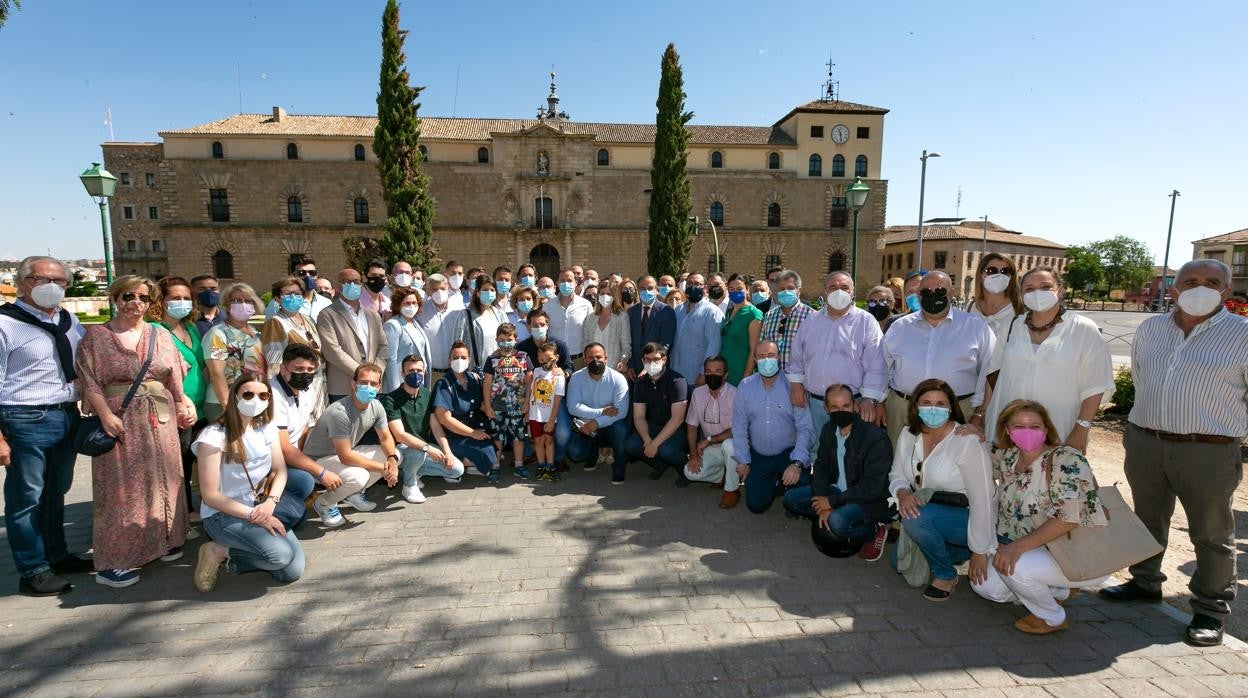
671	235
6	7
1083	269
404	184
1126	262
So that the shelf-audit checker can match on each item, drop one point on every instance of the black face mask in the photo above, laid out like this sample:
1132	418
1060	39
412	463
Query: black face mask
879	311
375	285
208	299
596	367
714	382
301	381
325	294
694	293
717	293
841	419
933	302
627	296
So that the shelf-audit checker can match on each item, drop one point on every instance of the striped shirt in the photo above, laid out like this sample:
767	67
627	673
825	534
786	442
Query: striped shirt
845	350
1192	385
781	328
29	372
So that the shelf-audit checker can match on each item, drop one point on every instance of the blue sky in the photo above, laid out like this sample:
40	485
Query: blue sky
1071	121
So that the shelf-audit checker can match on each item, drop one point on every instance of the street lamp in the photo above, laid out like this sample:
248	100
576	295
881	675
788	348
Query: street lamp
101	185
922	191
1165	261
857	199
697	227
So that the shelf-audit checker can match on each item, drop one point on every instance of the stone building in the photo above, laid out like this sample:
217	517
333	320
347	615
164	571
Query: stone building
957	246
1230	249
244	196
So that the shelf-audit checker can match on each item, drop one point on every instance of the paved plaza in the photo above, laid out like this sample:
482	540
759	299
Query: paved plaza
575	587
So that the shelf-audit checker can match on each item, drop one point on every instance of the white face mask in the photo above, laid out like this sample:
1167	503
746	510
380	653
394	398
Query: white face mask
839	299
47	295
1039	301
654	368
253	407
1197	302
605	300
408	311
455	280
997	283
440	296
459	365
402	280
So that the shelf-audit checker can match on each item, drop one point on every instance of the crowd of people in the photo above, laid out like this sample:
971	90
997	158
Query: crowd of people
962	432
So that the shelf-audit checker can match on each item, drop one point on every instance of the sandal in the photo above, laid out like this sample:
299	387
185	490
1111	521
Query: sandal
934	593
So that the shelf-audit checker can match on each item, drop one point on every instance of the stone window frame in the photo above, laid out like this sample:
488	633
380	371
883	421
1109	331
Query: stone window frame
223	264
775	160
779	199
720	198
599	160
711	159
359	210
483	155
149	178
814	165
153	213
294	200
710	213
359	152
292	151
127	213
775	215
863	132
217	150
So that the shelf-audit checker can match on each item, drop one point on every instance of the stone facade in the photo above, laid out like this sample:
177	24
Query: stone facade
139	242
957	250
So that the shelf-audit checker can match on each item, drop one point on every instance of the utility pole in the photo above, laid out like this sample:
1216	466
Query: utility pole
1165	260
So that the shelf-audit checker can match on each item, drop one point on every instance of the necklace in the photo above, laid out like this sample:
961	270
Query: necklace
1047	326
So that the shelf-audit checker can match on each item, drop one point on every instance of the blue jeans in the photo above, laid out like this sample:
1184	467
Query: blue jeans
846	521
40	473
763	482
253	548
481	453
414	464
292	510
818	418
584	449
673	453
940	532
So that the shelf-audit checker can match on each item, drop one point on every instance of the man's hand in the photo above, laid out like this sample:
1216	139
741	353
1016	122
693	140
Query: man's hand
331	481
436	455
390	472
650	449
6	454
610	411
480	435
823	519
695	462
973	429
703	445
1078	439
820	505
743	471
589	428
867	410
797	395
792	474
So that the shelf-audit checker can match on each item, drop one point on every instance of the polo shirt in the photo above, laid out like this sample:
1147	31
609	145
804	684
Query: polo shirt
659	395
412	410
289	411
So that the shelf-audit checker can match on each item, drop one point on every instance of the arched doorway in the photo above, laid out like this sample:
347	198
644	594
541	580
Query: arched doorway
546	258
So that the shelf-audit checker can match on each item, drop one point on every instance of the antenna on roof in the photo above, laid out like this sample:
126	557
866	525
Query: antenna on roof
238	82
455	102
831	88
957	208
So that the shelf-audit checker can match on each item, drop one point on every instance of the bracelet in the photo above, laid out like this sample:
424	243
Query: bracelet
318	477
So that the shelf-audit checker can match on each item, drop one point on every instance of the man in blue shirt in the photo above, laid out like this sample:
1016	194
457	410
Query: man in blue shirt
598	403
697	331
772	437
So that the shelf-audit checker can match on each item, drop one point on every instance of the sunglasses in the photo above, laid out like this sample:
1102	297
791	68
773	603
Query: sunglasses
130	296
251	394
306	272
1003	270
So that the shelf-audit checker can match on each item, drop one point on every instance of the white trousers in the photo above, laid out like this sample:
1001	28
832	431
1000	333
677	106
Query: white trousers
1037	583
354	478
717	461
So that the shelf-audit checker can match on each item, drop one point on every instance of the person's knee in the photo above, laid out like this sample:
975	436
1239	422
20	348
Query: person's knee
455	469
354	477
997	592
757	504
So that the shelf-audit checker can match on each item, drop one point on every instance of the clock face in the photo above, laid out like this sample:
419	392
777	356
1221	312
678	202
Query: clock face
840	134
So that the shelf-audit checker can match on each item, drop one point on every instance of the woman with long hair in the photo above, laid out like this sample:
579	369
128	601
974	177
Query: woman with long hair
997	296
609	326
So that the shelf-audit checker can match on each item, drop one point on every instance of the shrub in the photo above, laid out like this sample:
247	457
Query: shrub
1124	392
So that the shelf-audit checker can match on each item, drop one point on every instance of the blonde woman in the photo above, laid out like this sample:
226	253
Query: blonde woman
232	347
609	326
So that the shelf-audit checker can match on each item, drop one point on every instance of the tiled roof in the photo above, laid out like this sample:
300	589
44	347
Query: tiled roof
833	107
1235	236
462	129
968	231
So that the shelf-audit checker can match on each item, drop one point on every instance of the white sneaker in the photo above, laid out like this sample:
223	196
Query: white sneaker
413	495
330	516
453	480
359	502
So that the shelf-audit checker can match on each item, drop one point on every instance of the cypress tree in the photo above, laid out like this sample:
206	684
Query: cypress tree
405	186
670	233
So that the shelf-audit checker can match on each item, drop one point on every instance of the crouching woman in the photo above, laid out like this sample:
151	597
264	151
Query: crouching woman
1044	491
242	476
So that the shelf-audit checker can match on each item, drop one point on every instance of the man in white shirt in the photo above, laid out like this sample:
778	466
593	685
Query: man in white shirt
292	415
453	273
941	342
568	314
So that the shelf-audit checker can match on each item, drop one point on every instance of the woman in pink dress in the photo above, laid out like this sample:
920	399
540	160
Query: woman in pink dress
139	503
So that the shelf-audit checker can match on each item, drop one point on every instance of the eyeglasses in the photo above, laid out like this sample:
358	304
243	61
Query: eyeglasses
1005	271
305	272
41	280
292	293
129	296
251	394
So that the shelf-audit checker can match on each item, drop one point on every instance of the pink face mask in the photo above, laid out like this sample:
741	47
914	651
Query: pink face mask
1027	439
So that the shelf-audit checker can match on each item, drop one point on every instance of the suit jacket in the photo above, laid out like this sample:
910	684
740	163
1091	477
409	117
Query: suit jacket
343	348
661	329
868	460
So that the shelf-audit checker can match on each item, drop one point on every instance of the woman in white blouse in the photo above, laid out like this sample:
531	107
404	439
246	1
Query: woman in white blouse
404	336
242	477
942	484
997	298
609	326
485	316
1044	491
1053	357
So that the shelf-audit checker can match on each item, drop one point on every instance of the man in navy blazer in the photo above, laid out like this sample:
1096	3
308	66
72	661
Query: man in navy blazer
659	322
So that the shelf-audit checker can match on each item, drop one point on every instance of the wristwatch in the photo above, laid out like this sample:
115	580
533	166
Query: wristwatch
1083	423
424	449
276	500
392	455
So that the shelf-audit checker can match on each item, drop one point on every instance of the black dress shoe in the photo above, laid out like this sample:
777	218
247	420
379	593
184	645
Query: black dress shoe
1204	631
72	564
656	472
43	584
682	481
1129	592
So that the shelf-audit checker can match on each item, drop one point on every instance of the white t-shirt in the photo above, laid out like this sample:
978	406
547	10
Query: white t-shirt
542	395
294	414
258	443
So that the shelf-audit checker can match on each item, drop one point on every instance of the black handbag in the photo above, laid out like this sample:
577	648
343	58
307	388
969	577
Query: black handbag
90	439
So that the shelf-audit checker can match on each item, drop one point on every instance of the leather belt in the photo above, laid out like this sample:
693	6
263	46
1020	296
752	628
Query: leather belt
1189	438
905	397
819	398
65	406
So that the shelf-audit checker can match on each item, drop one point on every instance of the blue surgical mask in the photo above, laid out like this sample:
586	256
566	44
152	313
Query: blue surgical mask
736	297
472	284
648	296
503	286
506	344
486	296
566	288
934	417
758	298
787	298
208	299
539	333
528	281
547	293
292	304
664	290
309	283
365	393
179	309
912	302
524	307
351	291
768	367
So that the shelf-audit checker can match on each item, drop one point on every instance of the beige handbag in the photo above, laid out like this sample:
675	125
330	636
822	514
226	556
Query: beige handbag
1092	552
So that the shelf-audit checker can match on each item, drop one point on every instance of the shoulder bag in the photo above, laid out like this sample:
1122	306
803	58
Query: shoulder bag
1087	553
90	439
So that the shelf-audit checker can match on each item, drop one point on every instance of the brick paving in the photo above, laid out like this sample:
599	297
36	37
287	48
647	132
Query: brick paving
579	588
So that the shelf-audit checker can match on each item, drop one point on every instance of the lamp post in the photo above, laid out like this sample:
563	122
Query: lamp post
857	194
101	185
1165	261
922	192
697	227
